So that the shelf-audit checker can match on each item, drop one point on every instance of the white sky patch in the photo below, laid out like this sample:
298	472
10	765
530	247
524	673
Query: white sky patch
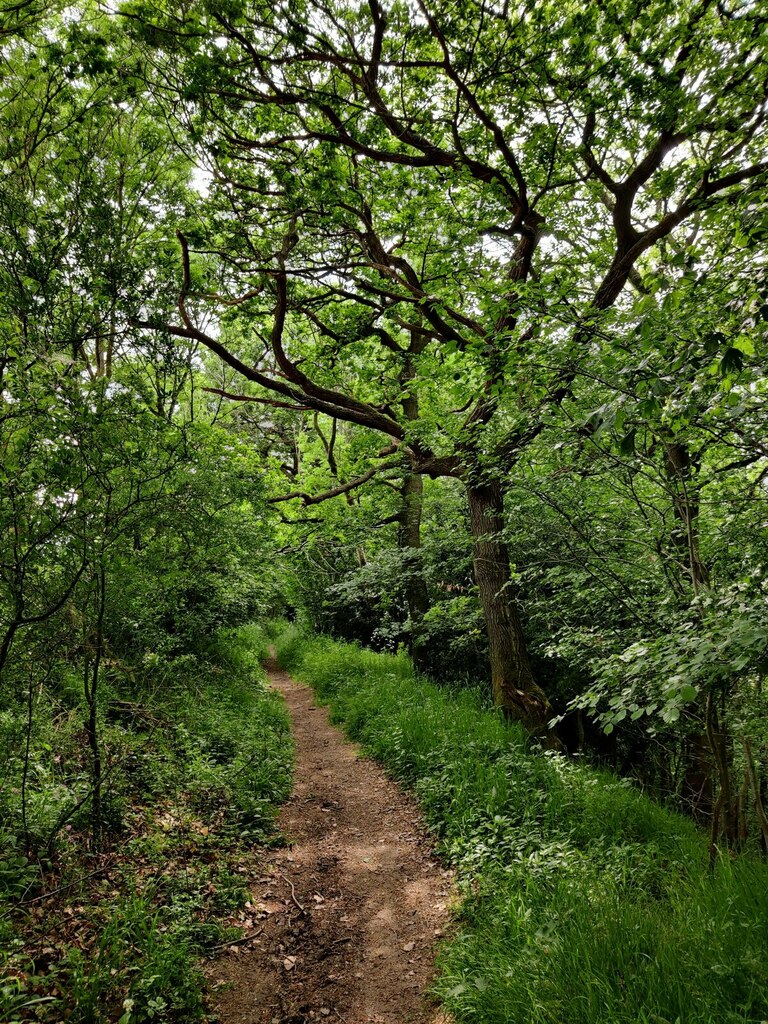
201	181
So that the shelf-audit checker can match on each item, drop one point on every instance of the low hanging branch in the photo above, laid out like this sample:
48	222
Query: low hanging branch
334	492
273	402
296	385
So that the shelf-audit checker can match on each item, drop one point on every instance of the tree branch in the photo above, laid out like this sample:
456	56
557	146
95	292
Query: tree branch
259	400
334	492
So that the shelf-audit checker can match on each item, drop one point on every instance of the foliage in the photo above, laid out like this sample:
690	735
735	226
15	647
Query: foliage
512	232
368	602
198	767
443	329
726	639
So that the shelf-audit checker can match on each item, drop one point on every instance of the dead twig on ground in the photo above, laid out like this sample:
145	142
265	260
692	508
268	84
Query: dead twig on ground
238	941
54	892
293	893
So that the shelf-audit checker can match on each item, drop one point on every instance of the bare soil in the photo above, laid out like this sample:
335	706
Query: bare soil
346	918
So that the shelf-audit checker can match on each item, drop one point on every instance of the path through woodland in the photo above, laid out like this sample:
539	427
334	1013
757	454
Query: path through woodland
347	917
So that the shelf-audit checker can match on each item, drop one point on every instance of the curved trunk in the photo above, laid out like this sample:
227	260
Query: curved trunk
514	688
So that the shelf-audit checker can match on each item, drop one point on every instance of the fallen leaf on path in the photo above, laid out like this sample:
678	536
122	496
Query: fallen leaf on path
408	947
289	963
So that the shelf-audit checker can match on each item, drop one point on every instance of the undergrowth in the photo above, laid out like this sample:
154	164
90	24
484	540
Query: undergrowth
198	759
583	900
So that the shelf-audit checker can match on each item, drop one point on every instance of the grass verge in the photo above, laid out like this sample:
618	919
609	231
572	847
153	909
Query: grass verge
584	901
197	761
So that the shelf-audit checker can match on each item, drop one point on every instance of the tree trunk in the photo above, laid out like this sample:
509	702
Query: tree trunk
684	491
724	815
701	758
409	534
514	688
5	646
697	786
414	583
91	670
17	588
751	774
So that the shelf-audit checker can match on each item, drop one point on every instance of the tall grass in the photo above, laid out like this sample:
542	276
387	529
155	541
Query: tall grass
583	901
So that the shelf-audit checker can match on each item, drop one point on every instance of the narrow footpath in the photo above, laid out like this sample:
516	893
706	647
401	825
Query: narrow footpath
347	917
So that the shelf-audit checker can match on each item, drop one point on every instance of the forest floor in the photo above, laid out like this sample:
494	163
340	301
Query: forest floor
346	918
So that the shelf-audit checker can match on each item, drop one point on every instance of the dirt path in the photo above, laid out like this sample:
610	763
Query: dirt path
351	911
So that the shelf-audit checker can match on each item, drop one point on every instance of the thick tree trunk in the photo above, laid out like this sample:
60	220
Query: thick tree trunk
514	688
414	583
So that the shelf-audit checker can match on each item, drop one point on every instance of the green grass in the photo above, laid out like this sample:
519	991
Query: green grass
583	901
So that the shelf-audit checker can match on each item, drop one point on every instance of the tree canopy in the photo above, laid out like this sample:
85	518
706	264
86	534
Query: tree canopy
460	229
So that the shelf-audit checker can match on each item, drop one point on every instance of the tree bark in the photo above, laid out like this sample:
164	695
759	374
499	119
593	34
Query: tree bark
724	816
409	534
708	745
751	774
684	491
698	785
414	583
5	647
91	670
515	690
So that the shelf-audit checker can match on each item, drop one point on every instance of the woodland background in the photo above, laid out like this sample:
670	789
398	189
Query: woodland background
440	329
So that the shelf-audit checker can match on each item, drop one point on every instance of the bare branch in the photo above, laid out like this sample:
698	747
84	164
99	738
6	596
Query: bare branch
259	400
334	492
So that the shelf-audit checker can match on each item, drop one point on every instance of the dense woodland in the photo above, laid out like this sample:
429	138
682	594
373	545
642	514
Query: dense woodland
435	328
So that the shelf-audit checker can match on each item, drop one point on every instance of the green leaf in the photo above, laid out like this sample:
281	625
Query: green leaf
731	362
627	443
745	345
457	990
